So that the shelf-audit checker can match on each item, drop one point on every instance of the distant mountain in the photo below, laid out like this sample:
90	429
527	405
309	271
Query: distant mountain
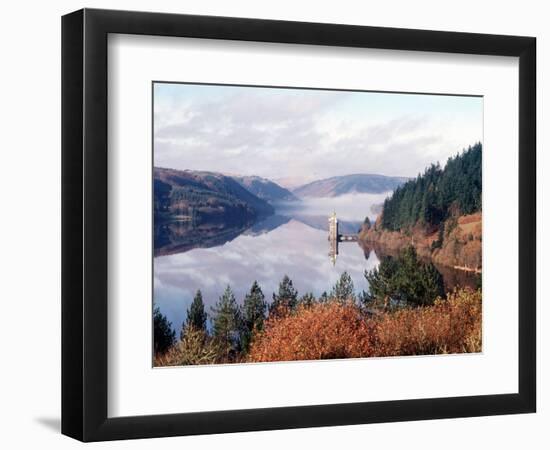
265	189
357	183
292	182
201	197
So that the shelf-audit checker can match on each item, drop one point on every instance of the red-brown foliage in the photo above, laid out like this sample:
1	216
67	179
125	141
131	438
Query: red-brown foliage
449	326
334	330
322	331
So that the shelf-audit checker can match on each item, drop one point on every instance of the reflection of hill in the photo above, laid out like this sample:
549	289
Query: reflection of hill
181	236
451	277
178	236
267	225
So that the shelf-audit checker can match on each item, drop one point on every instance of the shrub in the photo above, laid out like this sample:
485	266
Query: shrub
449	326
194	348
343	330
321	331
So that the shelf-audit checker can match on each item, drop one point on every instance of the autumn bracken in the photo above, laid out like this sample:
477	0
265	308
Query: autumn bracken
335	330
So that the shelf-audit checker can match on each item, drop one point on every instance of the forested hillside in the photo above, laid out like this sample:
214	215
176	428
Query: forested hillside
204	197
437	194
265	189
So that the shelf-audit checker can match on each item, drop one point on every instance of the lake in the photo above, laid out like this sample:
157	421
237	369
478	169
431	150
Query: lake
292	242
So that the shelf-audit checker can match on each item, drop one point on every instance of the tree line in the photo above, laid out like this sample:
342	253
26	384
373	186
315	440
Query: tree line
232	325
437	194
402	281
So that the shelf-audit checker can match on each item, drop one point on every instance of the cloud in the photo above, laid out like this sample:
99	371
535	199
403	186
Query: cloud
285	133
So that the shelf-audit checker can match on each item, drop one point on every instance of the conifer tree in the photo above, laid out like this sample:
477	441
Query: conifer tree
405	280
286	298
196	315
254	312
307	300
366	222
323	298
343	290
437	194
163	335
226	322
432	284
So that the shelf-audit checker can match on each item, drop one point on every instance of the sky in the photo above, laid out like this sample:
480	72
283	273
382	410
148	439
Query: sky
294	136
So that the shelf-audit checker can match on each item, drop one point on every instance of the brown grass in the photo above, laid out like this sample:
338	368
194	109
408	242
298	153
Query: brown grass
470	218
334	330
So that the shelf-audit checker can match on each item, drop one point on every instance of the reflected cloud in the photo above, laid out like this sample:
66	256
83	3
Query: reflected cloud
293	248
293	241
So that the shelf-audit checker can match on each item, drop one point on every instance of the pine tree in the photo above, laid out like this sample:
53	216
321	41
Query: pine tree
381	280
286	298
196	315
367	223
437	194
343	290
163	335
364	298
254	311
405	280
323	298
432	284
307	300
226	322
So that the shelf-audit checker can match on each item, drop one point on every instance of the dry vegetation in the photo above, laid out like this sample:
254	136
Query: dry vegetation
322	331
343	330
449	326
460	248
338	329
194	348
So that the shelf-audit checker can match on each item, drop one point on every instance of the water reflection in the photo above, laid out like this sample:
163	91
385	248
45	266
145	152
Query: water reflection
264	253
294	242
179	236
452	278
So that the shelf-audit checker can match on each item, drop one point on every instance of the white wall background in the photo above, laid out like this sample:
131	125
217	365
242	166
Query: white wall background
30	225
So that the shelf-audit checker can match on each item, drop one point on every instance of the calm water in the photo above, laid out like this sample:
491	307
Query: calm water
292	242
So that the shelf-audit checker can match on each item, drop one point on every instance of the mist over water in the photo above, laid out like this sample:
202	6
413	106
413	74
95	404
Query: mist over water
294	242
352	207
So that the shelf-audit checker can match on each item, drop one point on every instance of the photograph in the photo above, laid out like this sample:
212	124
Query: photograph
295	224
264	225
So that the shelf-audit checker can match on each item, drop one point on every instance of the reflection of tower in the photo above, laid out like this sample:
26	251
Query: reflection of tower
333	237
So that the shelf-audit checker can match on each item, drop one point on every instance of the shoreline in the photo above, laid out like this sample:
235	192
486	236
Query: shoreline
468	269
458	246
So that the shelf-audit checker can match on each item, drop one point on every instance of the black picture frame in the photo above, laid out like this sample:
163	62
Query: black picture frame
84	224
